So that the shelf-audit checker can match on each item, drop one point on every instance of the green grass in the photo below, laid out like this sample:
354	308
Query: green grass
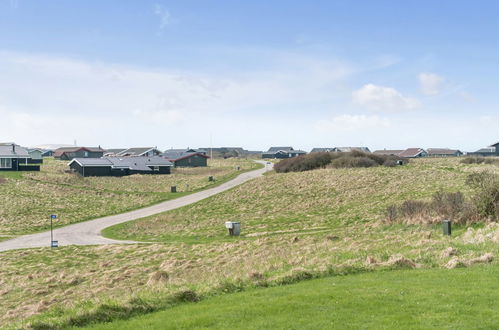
11	174
416	299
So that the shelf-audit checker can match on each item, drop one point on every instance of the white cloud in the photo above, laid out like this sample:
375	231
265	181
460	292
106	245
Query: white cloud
383	98
55	100
347	122
165	18
430	83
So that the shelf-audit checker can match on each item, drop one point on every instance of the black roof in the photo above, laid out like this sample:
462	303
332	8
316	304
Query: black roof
132	163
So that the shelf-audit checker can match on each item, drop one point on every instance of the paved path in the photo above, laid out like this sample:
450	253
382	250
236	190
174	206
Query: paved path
89	232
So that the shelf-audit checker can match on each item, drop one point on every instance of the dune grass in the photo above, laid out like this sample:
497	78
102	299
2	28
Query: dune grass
303	202
420	299
28	199
295	226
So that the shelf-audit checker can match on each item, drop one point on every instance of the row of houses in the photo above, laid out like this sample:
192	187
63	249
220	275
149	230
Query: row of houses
121	162
125	161
289	152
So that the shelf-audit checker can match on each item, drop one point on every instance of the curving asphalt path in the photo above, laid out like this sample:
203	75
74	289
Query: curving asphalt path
89	232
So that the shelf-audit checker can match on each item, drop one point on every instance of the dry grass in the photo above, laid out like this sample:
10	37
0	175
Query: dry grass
27	202
40	279
307	201
295	226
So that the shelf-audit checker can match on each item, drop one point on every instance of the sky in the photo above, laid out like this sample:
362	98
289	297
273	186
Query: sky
255	74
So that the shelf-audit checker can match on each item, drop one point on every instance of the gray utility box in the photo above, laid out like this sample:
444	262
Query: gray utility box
233	227
447	227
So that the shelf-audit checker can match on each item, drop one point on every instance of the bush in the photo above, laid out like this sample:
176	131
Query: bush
335	160
347	162
483	205
480	160
486	198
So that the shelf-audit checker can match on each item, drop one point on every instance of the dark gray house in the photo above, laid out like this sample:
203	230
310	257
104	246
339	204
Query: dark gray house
282	152
69	153
47	153
186	157
117	166
15	158
492	150
496	145
443	152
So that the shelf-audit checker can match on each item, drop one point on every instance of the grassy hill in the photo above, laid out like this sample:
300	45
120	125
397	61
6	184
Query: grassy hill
295	226
420	299
27	199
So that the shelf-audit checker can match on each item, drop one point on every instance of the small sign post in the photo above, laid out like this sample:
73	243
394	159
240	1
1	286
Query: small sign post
52	242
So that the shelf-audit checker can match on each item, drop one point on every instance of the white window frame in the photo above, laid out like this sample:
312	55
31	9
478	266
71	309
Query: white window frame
5	161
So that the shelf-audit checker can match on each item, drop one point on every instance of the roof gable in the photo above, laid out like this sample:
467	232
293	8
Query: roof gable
13	151
276	149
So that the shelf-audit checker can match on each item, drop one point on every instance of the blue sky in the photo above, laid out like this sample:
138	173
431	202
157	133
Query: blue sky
385	74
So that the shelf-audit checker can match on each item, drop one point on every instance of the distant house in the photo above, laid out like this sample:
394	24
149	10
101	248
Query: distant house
225	152
386	152
139	152
413	153
186	157
15	158
443	152
116	166
333	149
36	156
350	149
496	145
282	152
48	153
68	153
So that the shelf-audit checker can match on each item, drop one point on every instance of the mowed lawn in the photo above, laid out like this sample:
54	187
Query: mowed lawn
417	299
28	199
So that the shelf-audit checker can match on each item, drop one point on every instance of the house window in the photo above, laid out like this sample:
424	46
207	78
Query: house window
155	168
86	153
5	163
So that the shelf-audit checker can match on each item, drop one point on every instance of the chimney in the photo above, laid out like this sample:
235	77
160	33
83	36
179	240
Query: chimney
13	148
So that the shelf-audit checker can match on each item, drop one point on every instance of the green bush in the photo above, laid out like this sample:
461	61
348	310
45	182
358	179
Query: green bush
336	160
483	205
480	160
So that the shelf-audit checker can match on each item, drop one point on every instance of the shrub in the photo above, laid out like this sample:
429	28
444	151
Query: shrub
486	198
480	160
483	205
335	160
348	162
